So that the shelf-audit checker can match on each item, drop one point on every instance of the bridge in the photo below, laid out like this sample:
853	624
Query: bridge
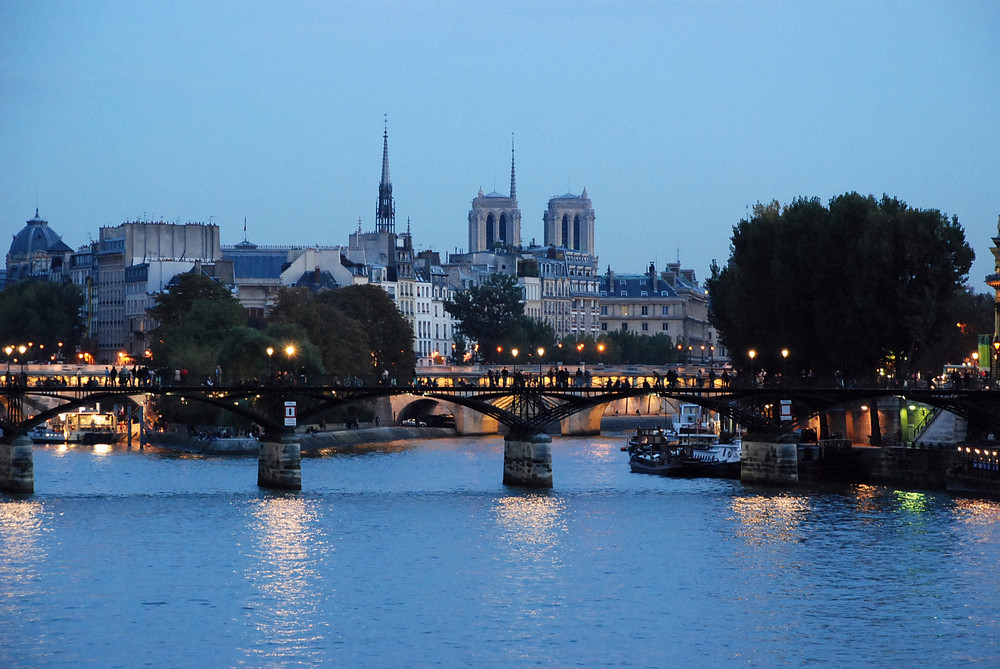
523	409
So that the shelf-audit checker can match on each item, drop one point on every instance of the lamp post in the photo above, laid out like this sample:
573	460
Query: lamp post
270	352
541	352
996	359
784	361
753	375
514	353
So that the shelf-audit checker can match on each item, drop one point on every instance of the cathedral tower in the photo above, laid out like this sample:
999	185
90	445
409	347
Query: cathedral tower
569	222
495	220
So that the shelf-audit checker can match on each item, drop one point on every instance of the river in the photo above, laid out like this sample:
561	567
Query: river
413	554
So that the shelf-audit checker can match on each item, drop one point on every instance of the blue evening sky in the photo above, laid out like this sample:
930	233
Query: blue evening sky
674	115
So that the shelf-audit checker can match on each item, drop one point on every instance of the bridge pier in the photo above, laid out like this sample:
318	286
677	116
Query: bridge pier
17	466
527	460
583	423
279	465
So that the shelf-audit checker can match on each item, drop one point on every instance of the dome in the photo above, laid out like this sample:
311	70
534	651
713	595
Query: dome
36	237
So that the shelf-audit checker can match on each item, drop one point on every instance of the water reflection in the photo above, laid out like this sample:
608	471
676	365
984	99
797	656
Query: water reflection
769	518
22	551
531	525
282	570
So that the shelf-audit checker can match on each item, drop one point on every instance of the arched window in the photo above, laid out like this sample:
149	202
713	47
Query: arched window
576	232
565	231
502	235
490	224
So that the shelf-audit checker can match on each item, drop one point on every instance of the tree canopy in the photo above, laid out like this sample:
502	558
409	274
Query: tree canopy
490	313
195	315
357	331
860	285
43	313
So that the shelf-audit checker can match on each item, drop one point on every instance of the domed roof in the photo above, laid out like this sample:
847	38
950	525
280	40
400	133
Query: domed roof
36	237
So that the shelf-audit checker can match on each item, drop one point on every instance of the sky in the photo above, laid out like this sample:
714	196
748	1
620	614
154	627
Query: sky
675	116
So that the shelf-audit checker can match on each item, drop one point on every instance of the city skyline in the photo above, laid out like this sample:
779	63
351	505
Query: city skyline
675	117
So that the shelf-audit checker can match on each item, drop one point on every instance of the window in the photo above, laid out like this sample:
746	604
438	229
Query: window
624	327
604	310
645	310
604	327
665	311
645	327
664	326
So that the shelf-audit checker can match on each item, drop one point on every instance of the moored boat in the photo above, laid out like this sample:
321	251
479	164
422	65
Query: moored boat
649	438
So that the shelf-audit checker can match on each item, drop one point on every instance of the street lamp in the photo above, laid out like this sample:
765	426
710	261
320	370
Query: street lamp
270	352
753	375
541	352
784	360
514	353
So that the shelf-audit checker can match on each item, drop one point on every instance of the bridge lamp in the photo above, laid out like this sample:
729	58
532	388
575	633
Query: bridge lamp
289	352
541	352
753	375
784	361
270	352
514	353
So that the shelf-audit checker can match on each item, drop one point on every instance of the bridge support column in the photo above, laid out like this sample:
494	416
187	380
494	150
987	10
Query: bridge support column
770	463
17	466
279	465
527	460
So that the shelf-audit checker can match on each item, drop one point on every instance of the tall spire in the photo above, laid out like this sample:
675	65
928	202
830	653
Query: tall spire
385	212
513	187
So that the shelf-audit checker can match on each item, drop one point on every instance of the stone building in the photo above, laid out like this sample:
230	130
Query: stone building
569	222
37	253
495	219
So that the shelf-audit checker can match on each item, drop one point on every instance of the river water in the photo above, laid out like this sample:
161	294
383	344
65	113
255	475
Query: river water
414	554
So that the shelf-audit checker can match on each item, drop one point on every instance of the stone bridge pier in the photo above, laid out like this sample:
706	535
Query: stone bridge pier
527	460
17	466
279	465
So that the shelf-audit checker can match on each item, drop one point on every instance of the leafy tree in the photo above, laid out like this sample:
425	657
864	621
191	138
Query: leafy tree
43	313
489	313
357	331
855	286
196	315
389	335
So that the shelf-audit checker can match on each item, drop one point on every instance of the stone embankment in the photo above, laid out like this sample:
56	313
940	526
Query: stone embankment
308	441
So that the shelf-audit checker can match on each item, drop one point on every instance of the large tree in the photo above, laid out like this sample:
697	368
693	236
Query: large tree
195	316
861	285
43	313
489	313
358	331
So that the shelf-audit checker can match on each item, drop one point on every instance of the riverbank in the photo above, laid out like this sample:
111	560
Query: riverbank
308	441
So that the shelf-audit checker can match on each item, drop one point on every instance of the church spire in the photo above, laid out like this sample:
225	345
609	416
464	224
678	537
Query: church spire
513	187
385	212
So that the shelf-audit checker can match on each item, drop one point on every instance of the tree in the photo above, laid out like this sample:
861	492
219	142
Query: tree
488	313
358	331
857	286
43	313
196	315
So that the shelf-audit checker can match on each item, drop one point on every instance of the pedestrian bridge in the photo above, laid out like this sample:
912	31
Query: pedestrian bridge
524	410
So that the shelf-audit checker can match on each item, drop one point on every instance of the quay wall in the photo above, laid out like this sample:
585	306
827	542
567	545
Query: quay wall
308	442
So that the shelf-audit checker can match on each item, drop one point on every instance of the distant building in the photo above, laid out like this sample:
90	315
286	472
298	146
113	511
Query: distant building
569	222
123	297
495	219
670	303
37	253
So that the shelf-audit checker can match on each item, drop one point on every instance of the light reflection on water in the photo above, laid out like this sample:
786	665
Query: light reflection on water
417	555
282	573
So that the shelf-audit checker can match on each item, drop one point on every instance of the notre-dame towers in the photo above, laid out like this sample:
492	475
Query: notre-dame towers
495	220
569	222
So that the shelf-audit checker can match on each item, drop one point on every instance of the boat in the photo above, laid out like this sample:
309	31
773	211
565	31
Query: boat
653	461
649	438
41	434
977	473
703	458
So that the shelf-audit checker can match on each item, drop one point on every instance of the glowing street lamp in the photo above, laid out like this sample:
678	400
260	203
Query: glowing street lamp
270	352
784	360
514	353
541	352
753	375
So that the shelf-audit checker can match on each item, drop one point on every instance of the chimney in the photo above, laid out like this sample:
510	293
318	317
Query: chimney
611	280
316	275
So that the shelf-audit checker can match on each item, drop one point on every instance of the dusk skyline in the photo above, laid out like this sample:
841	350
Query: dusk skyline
676	117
